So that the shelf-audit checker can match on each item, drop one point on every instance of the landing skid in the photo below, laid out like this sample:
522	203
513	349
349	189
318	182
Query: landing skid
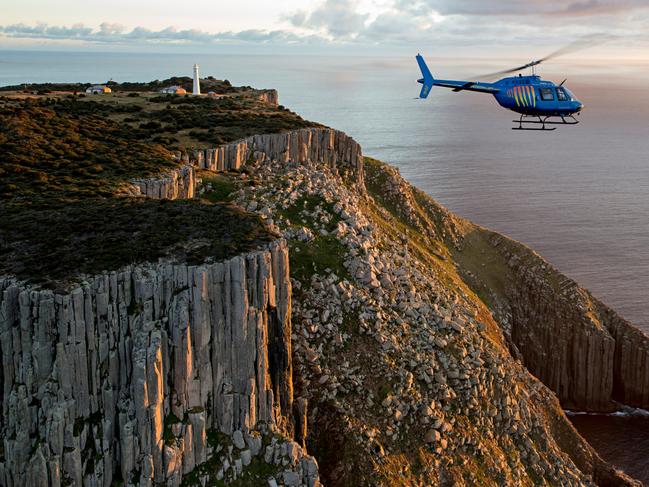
543	121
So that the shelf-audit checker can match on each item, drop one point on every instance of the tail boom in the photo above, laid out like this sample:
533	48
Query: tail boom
428	82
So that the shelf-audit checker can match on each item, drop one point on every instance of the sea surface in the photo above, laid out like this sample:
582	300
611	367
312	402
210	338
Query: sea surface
619	438
579	195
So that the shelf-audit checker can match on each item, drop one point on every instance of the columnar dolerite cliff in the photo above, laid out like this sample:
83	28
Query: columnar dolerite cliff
268	96
138	366
177	184
631	365
581	349
325	145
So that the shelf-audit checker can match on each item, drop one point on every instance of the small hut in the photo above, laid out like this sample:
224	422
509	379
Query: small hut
98	89
173	90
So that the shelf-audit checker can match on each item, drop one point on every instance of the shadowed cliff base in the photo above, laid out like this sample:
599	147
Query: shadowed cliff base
590	356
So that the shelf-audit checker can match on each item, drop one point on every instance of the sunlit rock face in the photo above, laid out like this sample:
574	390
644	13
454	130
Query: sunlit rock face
269	96
177	184
140	366
324	145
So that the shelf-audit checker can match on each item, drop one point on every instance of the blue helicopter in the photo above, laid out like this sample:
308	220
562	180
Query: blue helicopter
539	102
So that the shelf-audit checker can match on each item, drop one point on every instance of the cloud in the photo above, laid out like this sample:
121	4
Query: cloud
44	31
520	7
116	33
338	18
414	24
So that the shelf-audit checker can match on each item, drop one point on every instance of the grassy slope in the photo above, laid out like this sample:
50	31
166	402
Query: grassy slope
63	160
60	240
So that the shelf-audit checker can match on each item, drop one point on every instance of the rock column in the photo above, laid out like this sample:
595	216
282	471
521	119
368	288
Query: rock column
125	374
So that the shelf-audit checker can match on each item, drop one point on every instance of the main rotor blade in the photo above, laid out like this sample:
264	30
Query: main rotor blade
578	45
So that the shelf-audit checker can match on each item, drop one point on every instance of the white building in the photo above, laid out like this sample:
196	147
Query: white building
173	90
98	89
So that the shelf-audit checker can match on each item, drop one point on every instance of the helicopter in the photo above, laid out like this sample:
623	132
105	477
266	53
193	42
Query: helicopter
539	102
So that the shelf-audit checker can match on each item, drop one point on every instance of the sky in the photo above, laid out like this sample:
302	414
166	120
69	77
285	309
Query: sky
347	26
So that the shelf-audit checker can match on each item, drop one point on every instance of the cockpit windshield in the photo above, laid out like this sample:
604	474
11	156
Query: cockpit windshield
563	94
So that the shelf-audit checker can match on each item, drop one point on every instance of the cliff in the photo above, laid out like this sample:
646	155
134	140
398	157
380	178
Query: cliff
324	145
268	96
128	375
592	358
406	371
176	184
396	342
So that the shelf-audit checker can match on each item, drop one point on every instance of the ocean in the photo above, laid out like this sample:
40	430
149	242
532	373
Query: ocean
579	195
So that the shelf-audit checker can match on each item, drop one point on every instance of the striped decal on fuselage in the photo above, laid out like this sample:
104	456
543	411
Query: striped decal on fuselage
524	96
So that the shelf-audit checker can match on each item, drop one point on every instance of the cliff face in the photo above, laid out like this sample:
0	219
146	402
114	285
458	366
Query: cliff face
631	362
268	96
323	145
177	184
558	332
126	375
586	353
408	375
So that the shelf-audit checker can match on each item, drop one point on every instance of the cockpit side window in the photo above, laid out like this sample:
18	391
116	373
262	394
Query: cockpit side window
563	95
547	94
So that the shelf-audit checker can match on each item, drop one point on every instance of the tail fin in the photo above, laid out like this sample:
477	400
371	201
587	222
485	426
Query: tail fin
428	80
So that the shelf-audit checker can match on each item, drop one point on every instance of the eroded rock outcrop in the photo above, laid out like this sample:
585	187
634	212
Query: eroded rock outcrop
268	96
323	145
407	374
125	376
631	362
331	147
177	184
162	373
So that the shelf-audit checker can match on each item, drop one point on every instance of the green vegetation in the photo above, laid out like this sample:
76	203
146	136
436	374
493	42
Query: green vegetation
207	84
321	253
220	187
308	258
65	158
167	434
298	213
200	121
59	240
174	121
254	475
64	148
216	438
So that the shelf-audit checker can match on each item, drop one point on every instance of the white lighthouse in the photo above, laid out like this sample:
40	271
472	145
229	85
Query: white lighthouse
197	83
